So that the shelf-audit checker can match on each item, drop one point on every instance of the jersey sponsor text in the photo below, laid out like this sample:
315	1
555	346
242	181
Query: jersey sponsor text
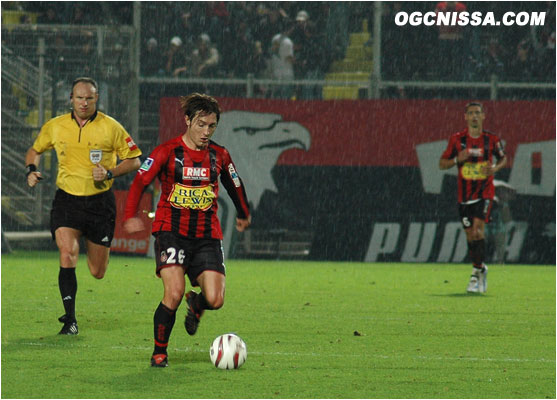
192	197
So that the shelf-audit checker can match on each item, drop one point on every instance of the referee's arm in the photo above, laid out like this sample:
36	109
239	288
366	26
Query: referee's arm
126	166
32	160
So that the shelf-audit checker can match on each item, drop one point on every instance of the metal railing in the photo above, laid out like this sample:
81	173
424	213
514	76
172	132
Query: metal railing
18	71
368	86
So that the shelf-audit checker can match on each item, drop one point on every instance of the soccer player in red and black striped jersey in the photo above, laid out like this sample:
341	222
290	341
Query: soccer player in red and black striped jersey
478	155
187	231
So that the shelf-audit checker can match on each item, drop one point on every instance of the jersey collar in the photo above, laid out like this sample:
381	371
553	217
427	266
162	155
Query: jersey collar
91	118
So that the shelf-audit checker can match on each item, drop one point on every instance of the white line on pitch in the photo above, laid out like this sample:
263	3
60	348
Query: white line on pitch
199	350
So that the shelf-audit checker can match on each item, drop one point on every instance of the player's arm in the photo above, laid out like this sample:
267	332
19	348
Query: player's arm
132	223
146	174
451	156
236	190
32	160
126	166
499	154
128	153
489	170
445	163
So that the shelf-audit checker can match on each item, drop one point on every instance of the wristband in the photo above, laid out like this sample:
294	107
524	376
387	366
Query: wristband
109	175
30	168
455	160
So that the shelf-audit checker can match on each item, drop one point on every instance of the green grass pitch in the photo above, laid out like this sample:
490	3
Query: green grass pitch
313	330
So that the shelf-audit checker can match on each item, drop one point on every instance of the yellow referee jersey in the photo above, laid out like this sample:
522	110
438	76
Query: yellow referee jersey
101	140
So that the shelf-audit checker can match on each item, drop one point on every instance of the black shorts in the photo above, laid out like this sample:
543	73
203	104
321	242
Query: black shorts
193	255
94	216
480	209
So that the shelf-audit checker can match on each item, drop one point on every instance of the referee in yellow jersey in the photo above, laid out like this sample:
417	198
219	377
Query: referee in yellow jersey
88	144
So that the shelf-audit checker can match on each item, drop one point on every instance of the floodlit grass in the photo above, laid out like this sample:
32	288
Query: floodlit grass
313	330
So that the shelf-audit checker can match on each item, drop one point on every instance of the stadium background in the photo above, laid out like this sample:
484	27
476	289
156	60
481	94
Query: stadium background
359	182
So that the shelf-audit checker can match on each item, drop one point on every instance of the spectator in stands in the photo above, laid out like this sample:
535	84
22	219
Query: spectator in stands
57	59
85	60
78	16
238	51
548	57
118	71
395	44
310	54
237	55
186	30
151	57
205	58
50	15
257	64
218	22
177	59
337	29
543	38
407	52
25	19
299	34
282	65
359	10
319	13
523	66
270	21
451	50
122	11
260	68
289	9
492	60
242	11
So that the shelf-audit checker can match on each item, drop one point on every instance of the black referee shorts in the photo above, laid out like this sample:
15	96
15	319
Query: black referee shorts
94	216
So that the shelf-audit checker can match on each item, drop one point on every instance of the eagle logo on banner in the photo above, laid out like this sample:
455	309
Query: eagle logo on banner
255	142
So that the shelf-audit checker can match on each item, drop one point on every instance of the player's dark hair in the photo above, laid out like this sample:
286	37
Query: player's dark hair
199	103
84	79
474	103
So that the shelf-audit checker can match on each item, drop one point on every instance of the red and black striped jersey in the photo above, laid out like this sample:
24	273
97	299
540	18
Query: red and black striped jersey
472	184
189	188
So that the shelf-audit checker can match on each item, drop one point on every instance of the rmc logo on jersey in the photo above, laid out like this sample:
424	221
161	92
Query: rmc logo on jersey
193	173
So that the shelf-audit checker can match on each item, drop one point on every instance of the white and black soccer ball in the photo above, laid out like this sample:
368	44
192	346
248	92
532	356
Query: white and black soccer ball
228	351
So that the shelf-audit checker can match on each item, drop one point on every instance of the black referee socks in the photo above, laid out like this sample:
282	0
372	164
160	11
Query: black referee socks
67	282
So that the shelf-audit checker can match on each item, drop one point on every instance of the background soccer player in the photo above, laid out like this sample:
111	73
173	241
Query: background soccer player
473	151
186	228
87	144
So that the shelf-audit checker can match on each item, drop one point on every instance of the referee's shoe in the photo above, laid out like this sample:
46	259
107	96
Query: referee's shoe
69	328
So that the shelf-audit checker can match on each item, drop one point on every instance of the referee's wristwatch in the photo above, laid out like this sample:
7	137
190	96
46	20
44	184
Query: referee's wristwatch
108	175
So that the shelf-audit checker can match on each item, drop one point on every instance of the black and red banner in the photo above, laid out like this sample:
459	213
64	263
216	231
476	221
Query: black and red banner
362	176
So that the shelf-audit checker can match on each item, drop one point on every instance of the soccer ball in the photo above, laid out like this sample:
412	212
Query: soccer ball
228	351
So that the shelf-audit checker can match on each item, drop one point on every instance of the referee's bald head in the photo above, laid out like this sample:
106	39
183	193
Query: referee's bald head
85	79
